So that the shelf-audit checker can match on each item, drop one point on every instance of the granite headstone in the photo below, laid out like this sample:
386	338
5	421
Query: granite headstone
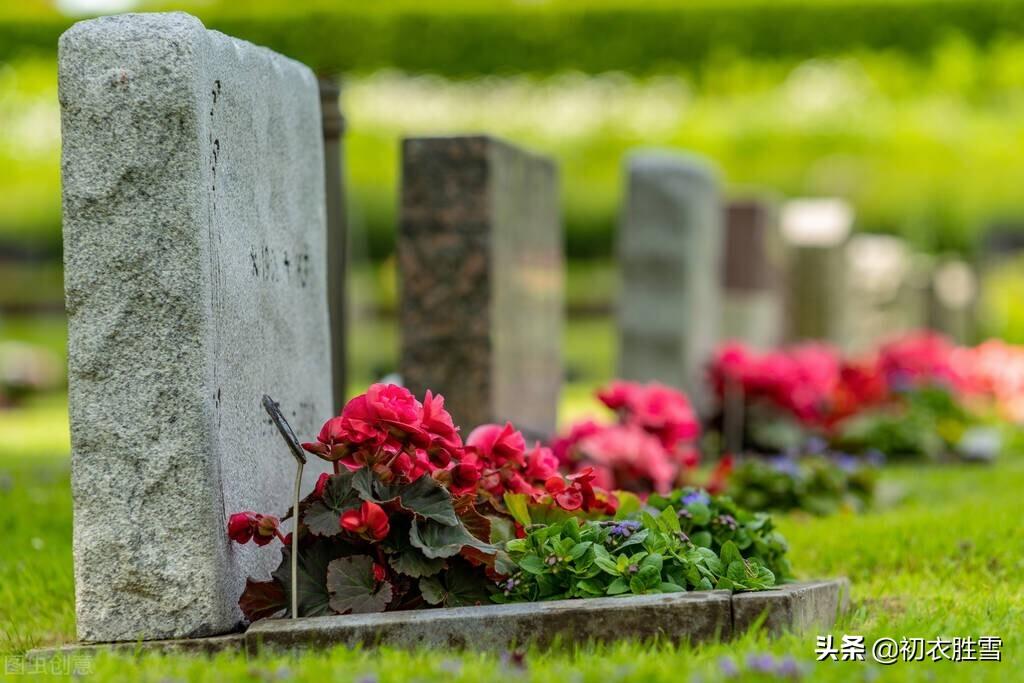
481	280
195	276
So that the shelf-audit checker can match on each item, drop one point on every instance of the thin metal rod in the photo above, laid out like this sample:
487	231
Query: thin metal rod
295	544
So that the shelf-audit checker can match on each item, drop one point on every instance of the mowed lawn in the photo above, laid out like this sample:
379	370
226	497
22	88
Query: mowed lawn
947	561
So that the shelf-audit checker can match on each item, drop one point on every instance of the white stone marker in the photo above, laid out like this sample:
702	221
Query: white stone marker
194	240
814	232
670	252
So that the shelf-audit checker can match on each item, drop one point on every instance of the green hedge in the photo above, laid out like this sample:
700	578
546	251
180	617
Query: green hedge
640	40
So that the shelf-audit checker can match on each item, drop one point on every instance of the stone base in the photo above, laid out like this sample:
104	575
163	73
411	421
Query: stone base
694	617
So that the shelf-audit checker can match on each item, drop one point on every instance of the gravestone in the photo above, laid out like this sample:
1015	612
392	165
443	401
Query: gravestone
195	274
814	232
481	280
952	299
670	246
886	290
752	304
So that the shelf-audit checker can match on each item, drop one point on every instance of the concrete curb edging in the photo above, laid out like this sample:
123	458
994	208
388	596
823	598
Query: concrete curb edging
698	616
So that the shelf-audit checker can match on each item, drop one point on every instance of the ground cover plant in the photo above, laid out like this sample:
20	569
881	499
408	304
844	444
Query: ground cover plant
947	561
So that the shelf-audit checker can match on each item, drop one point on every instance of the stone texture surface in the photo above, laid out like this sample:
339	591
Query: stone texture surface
670	246
752	302
212	645
694	617
814	232
481	280
195	282
887	290
797	607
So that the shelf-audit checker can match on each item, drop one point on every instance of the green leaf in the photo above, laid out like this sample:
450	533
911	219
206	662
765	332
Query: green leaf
669	519
439	540
730	553
518	507
667	587
321	520
701	513
352	587
533	564
629	504
617	587
501	529
314	557
701	539
262	599
428	498
414	563
460	586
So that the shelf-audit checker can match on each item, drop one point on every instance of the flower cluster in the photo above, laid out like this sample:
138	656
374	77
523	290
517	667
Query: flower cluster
647	449
799	379
392	433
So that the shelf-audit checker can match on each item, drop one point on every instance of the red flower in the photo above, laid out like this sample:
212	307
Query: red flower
379	572
333	443
321	484
564	446
498	444
574	491
617	395
369	521
445	442
464	478
541	463
637	460
251	526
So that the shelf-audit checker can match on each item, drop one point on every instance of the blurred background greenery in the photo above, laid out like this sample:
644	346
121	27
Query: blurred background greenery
910	109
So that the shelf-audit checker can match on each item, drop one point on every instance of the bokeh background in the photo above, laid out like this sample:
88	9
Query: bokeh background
911	110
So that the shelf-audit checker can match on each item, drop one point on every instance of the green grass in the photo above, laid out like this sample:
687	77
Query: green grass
946	561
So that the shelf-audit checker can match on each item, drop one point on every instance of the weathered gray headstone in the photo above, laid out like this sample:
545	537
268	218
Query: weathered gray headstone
670	247
481	280
814	232
952	299
752	305
886	288
195	281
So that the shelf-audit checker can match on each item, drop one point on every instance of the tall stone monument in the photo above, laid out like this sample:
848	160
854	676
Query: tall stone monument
752	305
670	253
814	232
195	275
481	280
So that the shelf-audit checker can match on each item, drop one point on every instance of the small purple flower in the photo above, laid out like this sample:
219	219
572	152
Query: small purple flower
699	496
785	465
728	667
815	445
761	663
846	462
625	529
788	667
874	457
727	521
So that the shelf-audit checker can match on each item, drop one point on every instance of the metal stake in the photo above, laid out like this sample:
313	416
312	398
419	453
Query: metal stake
274	410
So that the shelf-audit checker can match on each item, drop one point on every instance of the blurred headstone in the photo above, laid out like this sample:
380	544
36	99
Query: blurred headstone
952	300
195	276
670	256
814	232
752	305
481	280
886	290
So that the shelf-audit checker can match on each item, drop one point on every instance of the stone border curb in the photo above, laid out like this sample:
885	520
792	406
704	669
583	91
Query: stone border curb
698	616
